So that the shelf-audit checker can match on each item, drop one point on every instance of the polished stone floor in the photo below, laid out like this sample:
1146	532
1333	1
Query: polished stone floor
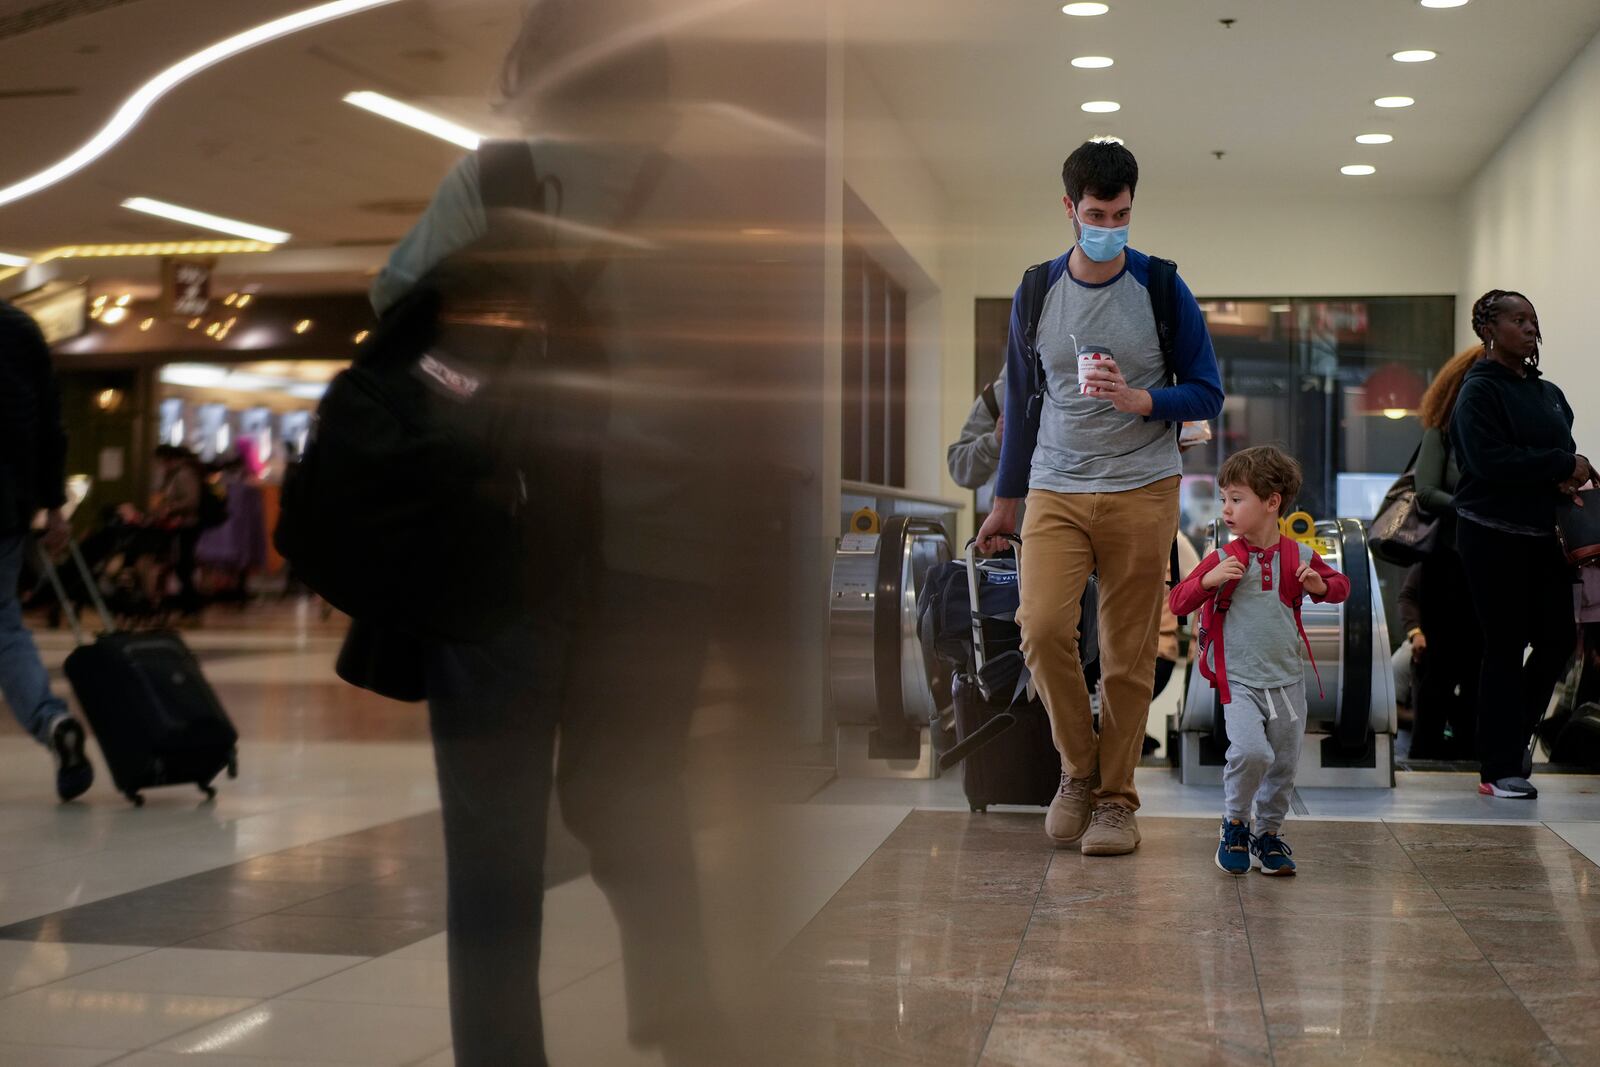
296	919
968	939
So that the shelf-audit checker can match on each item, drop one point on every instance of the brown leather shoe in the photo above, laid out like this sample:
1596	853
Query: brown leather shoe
1113	831
1068	816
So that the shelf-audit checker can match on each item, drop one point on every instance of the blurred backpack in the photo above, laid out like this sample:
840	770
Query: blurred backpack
466	437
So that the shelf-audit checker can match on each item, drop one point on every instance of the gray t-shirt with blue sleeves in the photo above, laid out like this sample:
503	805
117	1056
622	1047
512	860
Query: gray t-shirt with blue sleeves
1263	644
1085	445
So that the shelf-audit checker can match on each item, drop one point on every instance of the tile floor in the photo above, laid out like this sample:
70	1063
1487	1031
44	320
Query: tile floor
295	919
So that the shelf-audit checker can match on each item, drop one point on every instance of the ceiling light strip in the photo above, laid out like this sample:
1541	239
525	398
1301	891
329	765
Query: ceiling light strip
418	119
154	248
205	220
133	109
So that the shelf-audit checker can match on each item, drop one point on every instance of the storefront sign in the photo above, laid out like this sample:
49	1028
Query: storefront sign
186	286
60	308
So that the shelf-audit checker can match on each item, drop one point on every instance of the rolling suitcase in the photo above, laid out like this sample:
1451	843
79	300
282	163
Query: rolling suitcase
1002	735
156	718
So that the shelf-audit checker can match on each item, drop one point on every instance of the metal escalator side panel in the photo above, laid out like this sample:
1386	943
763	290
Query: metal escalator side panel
1201	711
1325	630
1385	709
850	631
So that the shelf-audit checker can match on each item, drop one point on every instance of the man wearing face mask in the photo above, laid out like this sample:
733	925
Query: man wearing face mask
1095	452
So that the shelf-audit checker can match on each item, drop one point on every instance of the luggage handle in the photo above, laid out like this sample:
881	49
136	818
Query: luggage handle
972	591
90	585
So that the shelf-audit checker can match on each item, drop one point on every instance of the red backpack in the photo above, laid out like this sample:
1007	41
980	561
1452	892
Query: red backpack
1214	613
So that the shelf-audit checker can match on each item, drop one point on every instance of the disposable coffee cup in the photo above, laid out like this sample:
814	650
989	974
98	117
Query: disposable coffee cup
1088	356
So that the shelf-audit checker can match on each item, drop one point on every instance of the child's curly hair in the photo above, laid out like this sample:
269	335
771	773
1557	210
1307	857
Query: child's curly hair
1264	470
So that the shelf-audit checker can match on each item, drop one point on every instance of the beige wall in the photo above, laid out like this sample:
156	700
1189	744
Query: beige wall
1530	221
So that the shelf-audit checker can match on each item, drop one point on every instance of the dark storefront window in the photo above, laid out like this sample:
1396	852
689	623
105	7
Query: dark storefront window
1335	382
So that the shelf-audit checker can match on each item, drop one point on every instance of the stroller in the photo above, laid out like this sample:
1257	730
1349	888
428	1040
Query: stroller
967	619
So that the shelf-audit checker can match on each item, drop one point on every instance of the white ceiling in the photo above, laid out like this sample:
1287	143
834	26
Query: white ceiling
983	89
992	103
263	137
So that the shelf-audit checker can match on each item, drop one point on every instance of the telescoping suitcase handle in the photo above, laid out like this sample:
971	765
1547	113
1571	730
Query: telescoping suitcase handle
89	584
972	591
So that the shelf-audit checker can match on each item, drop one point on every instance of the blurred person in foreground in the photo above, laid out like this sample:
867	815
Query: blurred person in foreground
33	454
609	654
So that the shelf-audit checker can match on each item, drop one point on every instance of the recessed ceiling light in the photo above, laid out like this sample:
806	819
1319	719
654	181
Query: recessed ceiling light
1092	62
1084	10
1444	3
205	220
1414	55
416	118
133	109
1357	170
1374	138
1101	107
1394	101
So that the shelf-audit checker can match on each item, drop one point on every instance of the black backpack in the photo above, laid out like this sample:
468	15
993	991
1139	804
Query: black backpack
1163	303
464	442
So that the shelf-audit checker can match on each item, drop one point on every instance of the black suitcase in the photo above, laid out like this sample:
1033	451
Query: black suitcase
156	718
1002	738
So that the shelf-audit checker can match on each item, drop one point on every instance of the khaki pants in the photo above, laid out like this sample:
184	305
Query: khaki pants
1127	538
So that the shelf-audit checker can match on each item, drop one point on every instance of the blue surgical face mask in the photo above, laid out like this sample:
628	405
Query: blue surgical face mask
1102	243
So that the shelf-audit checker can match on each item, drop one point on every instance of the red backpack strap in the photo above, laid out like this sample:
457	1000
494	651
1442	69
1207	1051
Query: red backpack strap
1241	552
1218	675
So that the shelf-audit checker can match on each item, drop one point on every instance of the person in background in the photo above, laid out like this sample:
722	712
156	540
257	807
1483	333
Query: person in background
1512	431
974	457
180	482
236	548
1445	641
33	454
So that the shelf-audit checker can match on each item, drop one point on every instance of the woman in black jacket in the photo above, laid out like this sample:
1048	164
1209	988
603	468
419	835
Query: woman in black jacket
1446	643
1512	431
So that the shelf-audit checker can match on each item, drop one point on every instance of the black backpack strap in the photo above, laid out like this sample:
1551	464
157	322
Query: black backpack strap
990	402
1035	287
1164	304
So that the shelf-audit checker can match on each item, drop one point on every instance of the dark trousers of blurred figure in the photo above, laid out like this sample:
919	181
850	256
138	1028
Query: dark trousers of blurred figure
1447	676
1522	594
613	670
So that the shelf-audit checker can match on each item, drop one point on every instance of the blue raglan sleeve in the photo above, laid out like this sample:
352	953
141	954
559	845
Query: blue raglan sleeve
1022	424
1198	394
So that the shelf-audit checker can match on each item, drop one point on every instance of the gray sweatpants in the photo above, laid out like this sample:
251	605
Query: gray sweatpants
1265	728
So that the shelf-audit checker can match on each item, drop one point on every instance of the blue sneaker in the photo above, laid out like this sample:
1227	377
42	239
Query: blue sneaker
1274	853
1233	848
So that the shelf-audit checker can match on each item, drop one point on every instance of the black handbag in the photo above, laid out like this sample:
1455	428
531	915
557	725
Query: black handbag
1579	528
1403	533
